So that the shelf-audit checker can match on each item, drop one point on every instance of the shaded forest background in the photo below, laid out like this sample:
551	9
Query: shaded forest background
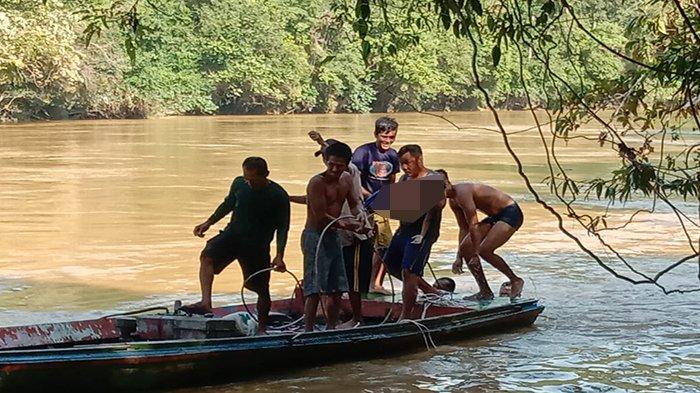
273	56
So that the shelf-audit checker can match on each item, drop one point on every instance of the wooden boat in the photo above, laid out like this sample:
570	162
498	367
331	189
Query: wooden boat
129	352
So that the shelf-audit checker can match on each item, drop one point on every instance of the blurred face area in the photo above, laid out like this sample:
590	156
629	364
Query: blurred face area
335	166
411	165
386	139
253	179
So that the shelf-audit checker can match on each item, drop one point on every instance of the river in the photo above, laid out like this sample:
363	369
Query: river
97	217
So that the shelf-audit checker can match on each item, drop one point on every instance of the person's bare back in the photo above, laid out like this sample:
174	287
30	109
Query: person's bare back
485	198
480	239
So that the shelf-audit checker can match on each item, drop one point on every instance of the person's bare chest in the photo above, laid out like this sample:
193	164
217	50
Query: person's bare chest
335	193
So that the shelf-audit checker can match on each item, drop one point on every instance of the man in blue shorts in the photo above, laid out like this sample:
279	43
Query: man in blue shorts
410	247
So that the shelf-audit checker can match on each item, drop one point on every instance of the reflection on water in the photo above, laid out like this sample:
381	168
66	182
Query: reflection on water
97	216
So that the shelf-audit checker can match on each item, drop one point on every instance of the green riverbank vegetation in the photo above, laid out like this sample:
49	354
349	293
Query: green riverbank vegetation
251	56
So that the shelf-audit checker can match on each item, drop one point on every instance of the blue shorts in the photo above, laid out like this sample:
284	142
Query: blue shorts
511	215
402	254
327	274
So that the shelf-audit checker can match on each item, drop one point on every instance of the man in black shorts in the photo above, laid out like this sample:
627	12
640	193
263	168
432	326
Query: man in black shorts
260	208
481	239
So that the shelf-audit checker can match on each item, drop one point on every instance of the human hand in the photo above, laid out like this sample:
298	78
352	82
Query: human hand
316	137
458	266
278	264
201	228
418	239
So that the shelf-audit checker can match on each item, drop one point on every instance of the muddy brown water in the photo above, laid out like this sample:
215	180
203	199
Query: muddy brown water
97	217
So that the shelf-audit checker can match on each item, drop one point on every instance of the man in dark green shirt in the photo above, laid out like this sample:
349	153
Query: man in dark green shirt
260	208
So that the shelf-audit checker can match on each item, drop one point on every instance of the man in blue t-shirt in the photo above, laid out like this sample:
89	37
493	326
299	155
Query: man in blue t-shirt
378	164
377	161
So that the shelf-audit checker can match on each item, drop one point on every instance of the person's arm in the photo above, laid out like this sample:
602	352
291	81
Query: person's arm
224	208
358	158
457	265
418	239
472	222
354	200
461	222
282	232
316	137
300	199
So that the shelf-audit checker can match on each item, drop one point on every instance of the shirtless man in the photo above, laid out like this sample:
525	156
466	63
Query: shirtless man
325	273
357	248
481	239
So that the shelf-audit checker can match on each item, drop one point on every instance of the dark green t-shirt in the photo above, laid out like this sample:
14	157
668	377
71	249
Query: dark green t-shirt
257	214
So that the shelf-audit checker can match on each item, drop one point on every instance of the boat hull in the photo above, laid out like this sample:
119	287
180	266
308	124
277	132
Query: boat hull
176	363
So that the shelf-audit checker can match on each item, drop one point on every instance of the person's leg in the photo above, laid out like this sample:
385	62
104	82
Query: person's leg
474	264
356	305
219	252
206	279
310	308
333	308
408	294
425	287
263	306
352	271
254	260
382	240
496	237
378	273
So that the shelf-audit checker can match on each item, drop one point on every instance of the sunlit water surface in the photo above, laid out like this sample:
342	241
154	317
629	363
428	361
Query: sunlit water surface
96	217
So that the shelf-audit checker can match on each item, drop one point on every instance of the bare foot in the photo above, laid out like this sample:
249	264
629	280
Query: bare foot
198	308
516	288
505	289
351	324
477	297
380	290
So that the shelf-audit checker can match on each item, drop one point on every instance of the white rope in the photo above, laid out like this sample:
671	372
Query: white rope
425	332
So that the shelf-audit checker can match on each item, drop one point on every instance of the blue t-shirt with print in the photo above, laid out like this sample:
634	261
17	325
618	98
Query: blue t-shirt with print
375	166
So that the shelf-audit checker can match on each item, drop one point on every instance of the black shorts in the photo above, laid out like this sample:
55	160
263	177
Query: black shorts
365	266
511	215
226	247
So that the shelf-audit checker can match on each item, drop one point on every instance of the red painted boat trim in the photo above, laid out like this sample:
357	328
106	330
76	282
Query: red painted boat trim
58	333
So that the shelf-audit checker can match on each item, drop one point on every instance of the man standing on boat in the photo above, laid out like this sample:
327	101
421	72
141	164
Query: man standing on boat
378	164
324	268
260	208
357	247
482	238
410	247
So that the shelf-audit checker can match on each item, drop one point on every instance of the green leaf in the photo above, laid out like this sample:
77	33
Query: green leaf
476	6
326	60
496	55
366	47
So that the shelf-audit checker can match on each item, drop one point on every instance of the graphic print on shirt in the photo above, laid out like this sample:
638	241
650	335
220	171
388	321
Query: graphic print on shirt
381	169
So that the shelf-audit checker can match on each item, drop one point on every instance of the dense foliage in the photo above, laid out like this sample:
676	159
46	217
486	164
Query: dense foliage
249	56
